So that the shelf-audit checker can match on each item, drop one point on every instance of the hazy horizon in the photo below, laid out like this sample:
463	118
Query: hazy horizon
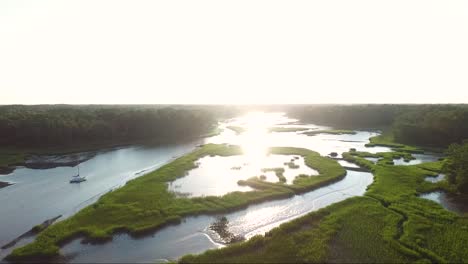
242	52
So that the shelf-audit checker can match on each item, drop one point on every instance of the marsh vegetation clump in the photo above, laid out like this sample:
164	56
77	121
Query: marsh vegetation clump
287	129
292	165
331	132
221	227
279	172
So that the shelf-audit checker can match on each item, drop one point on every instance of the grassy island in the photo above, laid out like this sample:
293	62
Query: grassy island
287	129
331	132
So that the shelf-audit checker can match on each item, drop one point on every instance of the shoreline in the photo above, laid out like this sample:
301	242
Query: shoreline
5	184
93	149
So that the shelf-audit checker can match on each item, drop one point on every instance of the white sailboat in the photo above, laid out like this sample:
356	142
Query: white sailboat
77	178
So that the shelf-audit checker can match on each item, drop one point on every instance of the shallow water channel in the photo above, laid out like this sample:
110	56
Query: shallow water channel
38	195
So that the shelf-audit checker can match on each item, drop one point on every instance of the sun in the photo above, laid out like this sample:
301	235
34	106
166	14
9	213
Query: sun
254	141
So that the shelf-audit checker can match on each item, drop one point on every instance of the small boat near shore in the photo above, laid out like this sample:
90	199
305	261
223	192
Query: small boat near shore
77	178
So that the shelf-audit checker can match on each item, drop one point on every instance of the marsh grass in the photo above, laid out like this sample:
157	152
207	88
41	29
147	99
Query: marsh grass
387	140
291	164
8	160
279	172
331	132
287	129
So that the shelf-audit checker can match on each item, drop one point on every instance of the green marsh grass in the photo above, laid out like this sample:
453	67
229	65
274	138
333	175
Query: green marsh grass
331	132
287	129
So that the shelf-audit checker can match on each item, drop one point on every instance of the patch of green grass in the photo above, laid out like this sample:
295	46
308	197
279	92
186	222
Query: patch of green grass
8	159
214	132
287	129
385	158
237	129
279	172
291	164
330	131
145	204
387	140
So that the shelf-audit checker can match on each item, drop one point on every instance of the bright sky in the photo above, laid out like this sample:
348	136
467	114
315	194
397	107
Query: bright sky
237	51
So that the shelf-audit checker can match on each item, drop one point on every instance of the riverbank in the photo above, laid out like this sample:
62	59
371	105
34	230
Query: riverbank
386	139
144	204
4	184
14	156
389	224
35	230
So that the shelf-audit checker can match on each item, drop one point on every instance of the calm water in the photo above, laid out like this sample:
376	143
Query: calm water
43	194
374	160
420	158
347	164
452	203
219	175
438	178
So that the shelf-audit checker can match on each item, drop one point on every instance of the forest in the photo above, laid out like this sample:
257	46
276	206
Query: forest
456	166
423	125
64	125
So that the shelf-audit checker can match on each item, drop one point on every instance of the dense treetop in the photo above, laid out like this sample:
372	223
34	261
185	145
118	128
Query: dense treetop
425	125
72	125
456	166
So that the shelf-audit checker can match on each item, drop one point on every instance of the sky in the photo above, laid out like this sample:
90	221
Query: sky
233	52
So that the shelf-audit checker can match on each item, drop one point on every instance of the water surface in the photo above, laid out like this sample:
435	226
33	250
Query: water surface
219	175
457	204
419	158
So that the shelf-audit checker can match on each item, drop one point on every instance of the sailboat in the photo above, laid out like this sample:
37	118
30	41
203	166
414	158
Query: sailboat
77	178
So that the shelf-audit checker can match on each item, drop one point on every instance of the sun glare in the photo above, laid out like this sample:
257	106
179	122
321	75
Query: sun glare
254	140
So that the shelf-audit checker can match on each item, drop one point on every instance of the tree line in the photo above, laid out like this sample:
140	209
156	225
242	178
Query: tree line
62	125
424	125
456	166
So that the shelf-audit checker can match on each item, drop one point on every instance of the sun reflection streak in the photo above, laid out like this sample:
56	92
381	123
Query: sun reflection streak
254	140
